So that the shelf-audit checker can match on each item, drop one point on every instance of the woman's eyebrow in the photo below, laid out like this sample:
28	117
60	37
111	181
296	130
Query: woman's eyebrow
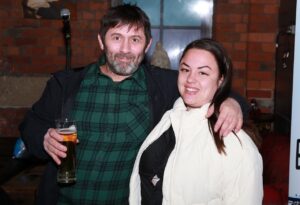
205	66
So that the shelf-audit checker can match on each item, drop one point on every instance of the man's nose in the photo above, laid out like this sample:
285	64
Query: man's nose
125	46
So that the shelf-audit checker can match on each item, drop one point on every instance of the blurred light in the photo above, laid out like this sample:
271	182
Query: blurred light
202	8
174	52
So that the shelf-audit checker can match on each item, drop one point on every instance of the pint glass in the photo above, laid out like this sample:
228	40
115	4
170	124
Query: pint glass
66	170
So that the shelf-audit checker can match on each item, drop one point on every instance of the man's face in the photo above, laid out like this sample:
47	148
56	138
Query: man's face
125	48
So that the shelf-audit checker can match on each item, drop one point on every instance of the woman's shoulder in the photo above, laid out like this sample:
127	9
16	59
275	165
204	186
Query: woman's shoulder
240	147
239	141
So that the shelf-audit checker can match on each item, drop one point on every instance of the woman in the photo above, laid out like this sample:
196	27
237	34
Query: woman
183	161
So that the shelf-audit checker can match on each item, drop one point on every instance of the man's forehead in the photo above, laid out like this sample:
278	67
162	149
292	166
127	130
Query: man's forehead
129	27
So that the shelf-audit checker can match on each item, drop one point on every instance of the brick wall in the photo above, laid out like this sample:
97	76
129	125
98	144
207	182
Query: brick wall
37	45
247	28
33	48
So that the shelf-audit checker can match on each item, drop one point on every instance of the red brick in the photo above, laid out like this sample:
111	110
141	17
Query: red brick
268	84
262	37
52	50
88	16
263	18
265	1
99	6
259	93
235	1
13	50
241	65
262	27
271	9
223	27
260	75
254	46
253	84
228	8
241	27
256	9
238	84
25	41
229	18
55	42
243	37
269	47
240	46
261	56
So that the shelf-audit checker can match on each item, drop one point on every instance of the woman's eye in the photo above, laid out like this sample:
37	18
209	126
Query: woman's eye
202	73
184	70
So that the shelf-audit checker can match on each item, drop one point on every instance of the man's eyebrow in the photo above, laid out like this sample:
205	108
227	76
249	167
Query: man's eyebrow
137	36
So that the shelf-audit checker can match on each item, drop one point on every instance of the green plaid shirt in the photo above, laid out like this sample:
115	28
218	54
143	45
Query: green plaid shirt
113	119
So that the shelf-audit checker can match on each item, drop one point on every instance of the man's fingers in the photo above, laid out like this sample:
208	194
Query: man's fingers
56	145
210	111
239	124
220	121
53	146
55	158
57	151
227	127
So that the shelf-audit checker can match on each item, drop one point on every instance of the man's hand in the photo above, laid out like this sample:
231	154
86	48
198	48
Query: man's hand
53	146
230	118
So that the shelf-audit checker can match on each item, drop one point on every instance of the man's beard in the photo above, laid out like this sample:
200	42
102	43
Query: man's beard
123	68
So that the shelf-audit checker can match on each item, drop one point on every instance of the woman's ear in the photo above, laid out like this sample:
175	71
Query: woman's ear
220	80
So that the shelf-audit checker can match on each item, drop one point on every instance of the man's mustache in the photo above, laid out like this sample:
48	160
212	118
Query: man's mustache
125	55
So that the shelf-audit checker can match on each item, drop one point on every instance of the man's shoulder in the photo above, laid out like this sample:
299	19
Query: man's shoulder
73	74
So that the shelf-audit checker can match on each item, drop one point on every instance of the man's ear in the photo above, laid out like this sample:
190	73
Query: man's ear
100	42
148	46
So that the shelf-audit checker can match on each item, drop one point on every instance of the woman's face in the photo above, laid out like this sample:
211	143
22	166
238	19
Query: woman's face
198	77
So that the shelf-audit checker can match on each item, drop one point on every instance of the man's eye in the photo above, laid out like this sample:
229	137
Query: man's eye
116	38
135	40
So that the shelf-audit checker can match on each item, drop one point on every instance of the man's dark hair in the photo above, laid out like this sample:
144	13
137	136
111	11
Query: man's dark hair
125	14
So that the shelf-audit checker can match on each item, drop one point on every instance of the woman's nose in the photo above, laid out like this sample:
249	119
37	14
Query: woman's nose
191	77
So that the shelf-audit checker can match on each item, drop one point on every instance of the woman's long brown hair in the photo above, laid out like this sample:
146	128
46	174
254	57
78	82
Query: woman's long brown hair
222	93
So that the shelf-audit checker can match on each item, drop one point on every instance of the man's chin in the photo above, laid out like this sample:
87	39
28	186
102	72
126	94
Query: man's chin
123	74
126	70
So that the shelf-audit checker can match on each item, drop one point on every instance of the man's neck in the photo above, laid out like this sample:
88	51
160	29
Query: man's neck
115	77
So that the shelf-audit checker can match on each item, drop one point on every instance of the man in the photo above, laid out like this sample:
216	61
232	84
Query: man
115	102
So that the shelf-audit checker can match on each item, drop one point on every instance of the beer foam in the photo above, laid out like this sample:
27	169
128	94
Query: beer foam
69	130
73	128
